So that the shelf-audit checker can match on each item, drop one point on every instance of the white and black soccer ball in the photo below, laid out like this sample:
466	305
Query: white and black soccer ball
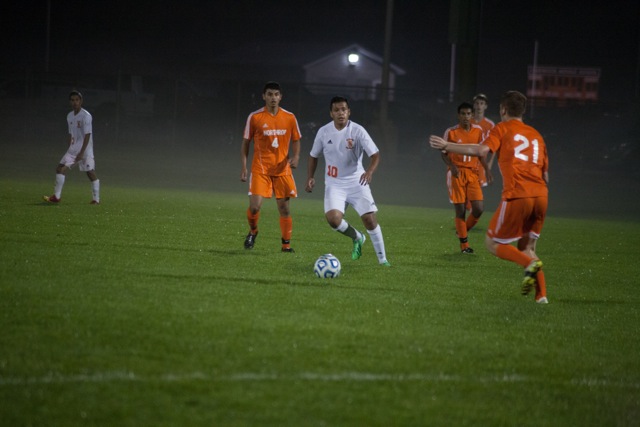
327	267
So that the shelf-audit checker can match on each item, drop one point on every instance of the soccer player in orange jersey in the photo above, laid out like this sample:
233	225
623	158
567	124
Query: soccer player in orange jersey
462	177
480	104
524	164
273	130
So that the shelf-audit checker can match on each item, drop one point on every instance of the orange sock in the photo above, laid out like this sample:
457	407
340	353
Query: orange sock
541	287
471	221
286	227
253	221
461	231
511	253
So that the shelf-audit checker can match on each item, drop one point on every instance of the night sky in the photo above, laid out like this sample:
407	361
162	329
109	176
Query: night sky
97	35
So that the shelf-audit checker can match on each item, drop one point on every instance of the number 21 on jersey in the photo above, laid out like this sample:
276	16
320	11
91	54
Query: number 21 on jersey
518	150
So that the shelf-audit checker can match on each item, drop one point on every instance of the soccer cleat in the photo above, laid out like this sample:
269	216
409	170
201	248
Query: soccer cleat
542	300
94	202
289	250
467	251
51	199
385	263
250	240
357	247
530	280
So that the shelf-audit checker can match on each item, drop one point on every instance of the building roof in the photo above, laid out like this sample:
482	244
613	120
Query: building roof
355	48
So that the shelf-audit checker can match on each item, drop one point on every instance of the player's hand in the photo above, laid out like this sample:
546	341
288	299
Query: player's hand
437	142
365	178
243	175
311	182
294	162
489	176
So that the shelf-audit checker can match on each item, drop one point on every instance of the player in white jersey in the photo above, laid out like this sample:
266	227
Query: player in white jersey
80	150
343	143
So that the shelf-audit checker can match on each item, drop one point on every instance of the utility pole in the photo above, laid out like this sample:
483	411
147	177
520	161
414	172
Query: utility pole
386	64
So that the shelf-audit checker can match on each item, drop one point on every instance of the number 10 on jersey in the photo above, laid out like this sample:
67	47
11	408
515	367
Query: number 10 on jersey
332	171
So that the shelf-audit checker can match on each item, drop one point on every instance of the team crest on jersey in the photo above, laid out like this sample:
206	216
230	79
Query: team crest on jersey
349	143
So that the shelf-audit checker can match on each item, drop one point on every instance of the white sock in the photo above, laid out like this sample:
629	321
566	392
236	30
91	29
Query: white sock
59	184
95	186
378	243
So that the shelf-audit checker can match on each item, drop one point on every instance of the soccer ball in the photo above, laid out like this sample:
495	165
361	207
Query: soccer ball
327	267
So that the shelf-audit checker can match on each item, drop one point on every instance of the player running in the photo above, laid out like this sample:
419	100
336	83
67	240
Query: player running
343	143
524	164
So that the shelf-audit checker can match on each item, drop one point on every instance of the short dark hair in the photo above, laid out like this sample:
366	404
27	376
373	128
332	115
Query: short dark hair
336	100
76	93
514	102
271	85
465	105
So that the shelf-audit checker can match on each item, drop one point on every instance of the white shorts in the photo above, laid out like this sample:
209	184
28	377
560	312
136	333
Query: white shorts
358	196
85	165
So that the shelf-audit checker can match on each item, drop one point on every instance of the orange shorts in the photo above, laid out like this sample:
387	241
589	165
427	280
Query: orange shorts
266	185
517	218
465	187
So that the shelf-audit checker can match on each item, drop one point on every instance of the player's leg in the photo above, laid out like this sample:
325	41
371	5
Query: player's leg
477	207
335	202
474	193
461	227
259	185
370	222
284	188
61	171
286	224
534	275
88	165
458	196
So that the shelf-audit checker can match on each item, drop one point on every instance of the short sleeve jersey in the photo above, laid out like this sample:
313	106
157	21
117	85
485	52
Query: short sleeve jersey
272	135
485	124
522	158
343	150
80	125
462	136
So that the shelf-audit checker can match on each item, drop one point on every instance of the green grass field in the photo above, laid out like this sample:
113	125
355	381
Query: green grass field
147	311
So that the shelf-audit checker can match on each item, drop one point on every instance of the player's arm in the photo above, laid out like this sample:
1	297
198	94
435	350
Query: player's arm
477	150
244	155
367	176
295	148
487	169
312	165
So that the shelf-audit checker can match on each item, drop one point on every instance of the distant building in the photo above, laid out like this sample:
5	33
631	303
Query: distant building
354	69
561	86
